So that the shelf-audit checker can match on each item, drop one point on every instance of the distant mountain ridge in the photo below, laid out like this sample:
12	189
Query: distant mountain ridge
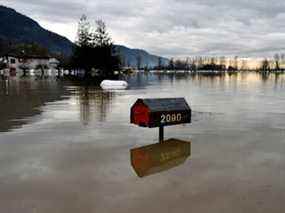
130	57
18	28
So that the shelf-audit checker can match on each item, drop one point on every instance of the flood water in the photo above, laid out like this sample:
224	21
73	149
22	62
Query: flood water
65	147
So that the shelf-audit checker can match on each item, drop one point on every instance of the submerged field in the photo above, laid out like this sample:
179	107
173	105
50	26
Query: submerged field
65	147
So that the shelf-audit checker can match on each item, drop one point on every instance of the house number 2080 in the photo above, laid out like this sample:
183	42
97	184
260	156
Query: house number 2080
171	118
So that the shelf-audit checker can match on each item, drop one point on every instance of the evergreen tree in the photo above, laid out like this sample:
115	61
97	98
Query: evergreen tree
84	35
94	50
101	37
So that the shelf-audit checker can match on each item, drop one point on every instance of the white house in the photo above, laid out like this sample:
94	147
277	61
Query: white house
19	65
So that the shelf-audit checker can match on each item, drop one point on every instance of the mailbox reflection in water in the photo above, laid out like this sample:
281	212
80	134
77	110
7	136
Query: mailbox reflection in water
167	154
159	157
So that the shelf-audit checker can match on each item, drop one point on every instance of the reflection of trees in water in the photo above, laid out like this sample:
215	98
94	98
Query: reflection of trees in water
142	79
4	87
20	100
233	81
211	80
160	76
277	77
84	106
94	104
244	76
138	79
183	76
265	76
171	77
279	80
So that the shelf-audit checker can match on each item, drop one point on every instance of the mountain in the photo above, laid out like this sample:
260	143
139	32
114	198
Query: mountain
18	28
131	57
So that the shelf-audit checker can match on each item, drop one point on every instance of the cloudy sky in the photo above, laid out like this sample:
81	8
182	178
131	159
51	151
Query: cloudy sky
169	28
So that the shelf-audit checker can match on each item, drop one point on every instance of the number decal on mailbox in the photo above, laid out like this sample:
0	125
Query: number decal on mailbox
171	118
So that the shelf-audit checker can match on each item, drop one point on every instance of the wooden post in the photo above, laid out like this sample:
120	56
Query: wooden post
161	134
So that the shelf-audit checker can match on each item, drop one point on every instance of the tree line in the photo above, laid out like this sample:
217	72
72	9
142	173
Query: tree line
273	64
203	63
222	63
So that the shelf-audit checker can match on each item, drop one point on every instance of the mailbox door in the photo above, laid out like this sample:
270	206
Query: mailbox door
140	115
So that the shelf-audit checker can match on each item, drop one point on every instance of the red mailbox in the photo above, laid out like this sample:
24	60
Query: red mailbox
160	112
166	154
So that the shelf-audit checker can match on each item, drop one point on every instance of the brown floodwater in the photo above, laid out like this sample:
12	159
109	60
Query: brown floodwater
64	147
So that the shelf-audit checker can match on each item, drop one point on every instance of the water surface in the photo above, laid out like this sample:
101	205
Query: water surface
65	147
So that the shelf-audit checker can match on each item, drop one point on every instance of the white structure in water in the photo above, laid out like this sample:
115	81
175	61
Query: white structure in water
109	85
34	65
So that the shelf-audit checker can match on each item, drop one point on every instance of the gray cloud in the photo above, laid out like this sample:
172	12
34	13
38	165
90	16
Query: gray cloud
173	27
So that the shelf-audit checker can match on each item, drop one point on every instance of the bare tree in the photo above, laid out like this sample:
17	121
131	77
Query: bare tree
277	61
244	65
265	65
231	62
236	62
189	63
223	60
200	62
192	63
213	61
171	64
282	56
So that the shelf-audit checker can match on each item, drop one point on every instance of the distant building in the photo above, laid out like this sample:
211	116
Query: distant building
17	64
